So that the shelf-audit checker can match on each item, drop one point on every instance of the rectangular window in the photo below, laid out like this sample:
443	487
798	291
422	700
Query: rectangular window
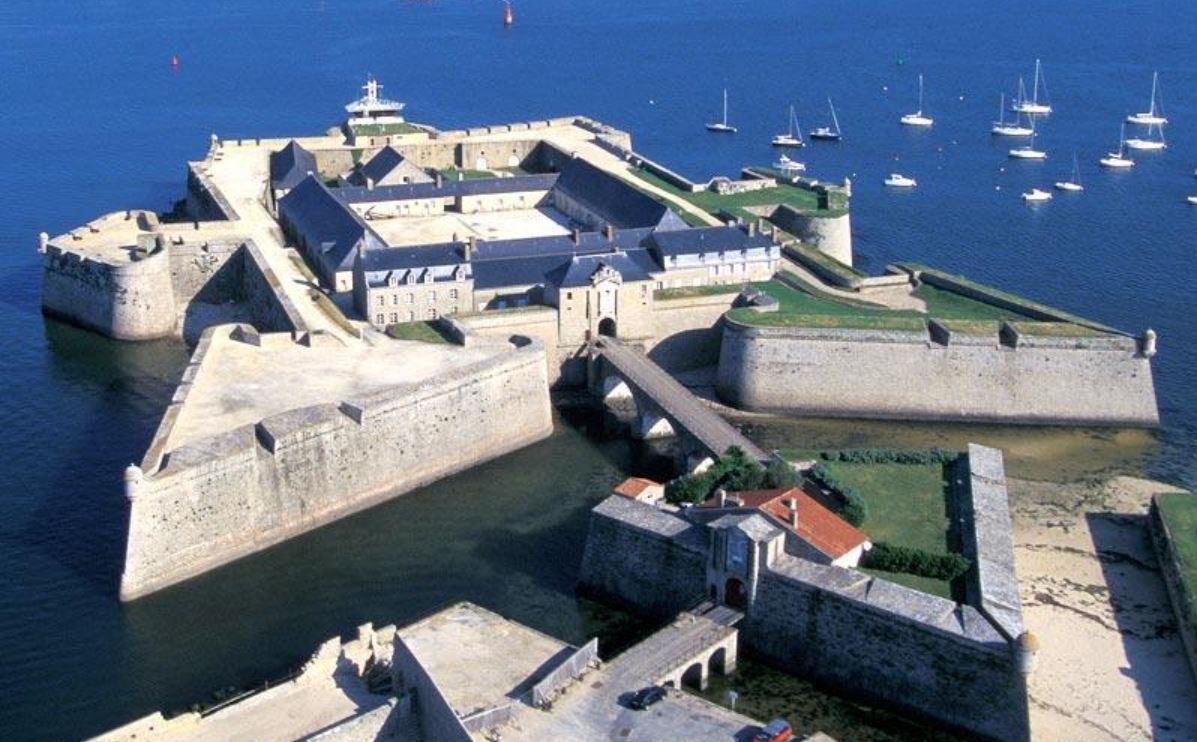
379	319
411	316
394	299
381	300
394	317
431	312
410	299
453	294
431	297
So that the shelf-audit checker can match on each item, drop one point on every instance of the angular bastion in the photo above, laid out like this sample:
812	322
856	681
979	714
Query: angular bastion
236	467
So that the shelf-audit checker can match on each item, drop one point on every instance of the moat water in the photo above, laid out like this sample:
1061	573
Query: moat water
96	120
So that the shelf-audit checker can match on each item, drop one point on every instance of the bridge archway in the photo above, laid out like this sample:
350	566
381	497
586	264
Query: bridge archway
718	661
607	327
735	595
695	676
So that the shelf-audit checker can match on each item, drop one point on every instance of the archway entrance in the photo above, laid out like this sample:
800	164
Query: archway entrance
734	594
607	327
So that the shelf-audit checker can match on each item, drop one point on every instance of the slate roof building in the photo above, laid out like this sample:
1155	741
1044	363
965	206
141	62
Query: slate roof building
812	531
288	166
326	231
387	167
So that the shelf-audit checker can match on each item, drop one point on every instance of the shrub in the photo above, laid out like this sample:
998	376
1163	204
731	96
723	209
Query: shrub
909	560
733	471
891	455
781	475
852	505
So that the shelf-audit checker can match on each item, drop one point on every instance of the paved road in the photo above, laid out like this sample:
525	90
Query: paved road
685	411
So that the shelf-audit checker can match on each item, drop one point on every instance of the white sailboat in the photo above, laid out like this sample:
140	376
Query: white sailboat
1033	106
1028	152
1118	160
917	118
1192	200
827	134
793	137
1003	129
722	127
897	180
1155	116
1150	143
1074	184
1036	196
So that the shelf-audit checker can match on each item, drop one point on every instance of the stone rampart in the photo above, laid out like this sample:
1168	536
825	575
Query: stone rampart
688	330
988	541
830	234
1163	540
232	494
644	559
840	372
438	719
205	202
571	668
888	644
131	300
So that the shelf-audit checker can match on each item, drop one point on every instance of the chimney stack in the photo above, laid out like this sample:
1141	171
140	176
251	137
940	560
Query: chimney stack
440	179
577	236
722	495
609	231
792	504
471	243
369	184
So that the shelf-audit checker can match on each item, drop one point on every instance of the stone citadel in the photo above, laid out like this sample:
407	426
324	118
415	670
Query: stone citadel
550	254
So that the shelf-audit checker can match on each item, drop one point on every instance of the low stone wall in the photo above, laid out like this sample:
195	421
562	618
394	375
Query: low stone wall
127	301
230	495
205	202
1170	569
570	669
640	558
438	720
828	372
988	539
532	322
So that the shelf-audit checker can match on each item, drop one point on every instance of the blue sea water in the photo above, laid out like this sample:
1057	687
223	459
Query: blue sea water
95	119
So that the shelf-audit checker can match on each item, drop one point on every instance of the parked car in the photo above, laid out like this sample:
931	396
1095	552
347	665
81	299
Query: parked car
777	730
646	697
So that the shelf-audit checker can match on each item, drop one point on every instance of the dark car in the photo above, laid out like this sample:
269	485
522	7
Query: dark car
646	697
777	730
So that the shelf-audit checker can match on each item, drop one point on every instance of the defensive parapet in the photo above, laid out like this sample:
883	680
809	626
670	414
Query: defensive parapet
1036	373
218	498
961	664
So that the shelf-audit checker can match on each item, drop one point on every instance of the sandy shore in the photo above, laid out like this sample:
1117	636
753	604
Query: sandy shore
1111	666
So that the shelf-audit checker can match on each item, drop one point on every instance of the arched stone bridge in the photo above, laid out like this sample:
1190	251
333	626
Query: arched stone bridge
663	406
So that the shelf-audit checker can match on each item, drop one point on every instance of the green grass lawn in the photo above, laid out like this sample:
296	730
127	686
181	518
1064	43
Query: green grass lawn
379	130
424	332
812	308
945	304
1179	512
453	173
737	203
683	292
907	506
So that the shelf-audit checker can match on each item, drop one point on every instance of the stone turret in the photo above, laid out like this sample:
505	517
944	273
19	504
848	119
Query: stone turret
1027	652
43	241
1147	343
134	479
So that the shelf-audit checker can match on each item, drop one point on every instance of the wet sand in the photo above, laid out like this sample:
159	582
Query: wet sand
1111	665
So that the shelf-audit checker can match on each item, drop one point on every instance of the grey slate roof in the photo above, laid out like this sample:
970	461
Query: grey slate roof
389	259
633	265
330	227
290	165
616	202
706	240
387	159
448	189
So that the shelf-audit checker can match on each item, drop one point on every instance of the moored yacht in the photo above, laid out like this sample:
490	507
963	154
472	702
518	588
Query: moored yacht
898	180
826	133
1035	196
1155	115
1074	184
1149	143
793	137
722	127
1028	152
917	118
1118	160
1012	129
785	164
1033	106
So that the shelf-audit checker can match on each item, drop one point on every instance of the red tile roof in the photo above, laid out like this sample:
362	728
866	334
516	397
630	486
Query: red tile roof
633	487
817	526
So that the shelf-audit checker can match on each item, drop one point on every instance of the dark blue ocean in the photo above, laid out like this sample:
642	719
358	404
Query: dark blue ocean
95	119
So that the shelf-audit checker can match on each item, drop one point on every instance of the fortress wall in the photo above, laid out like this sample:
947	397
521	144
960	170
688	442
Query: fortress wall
688	330
539	323
208	271
830	234
205	202
902	374
233	494
127	301
988	541
270	307
647	560
888	644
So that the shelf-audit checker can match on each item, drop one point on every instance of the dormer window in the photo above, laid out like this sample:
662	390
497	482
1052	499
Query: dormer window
427	276
411	276
392	280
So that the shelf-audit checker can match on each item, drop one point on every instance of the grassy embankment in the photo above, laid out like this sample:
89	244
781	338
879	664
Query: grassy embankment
424	332
1179	513
738	203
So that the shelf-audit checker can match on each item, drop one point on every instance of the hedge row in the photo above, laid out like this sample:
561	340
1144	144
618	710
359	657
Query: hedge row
912	561
891	455
734	471
852	503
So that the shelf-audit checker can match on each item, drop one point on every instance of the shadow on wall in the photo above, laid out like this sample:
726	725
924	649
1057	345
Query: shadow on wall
688	349
1143	616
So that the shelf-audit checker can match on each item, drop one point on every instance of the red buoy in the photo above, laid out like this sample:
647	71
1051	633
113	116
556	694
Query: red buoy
508	17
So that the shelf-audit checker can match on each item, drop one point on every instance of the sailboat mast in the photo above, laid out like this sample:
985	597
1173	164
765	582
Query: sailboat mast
1002	111
725	106
1035	90
1155	83
834	119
